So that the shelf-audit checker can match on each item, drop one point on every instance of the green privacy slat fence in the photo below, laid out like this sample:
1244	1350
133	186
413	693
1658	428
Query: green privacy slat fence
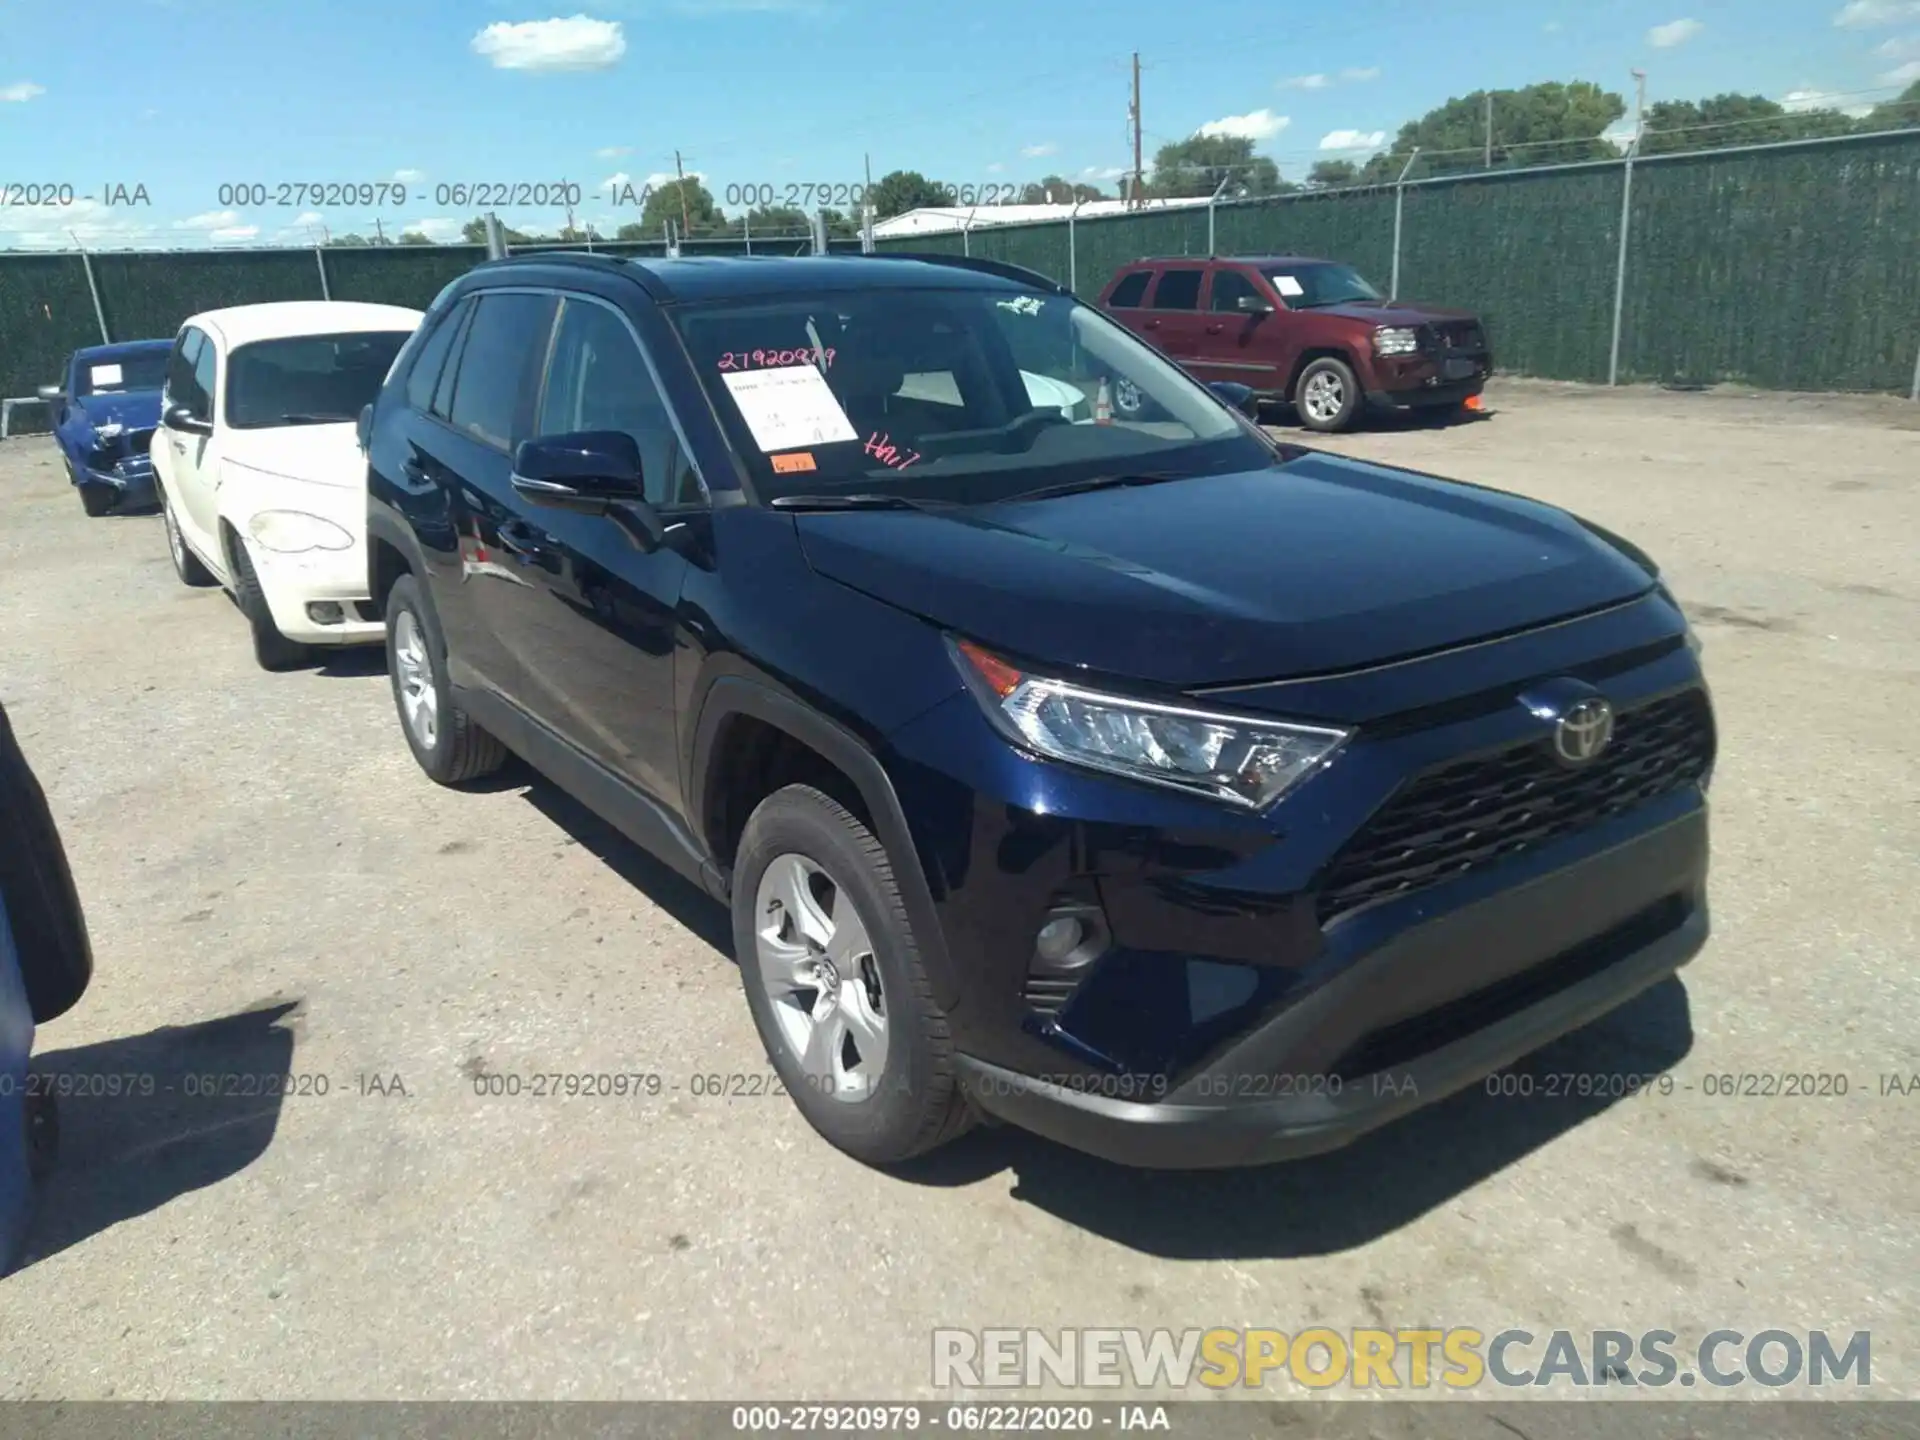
1793	267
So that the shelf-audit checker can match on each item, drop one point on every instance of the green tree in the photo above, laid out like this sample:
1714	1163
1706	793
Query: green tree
772	220
1197	165
1058	190
1900	113
1547	124
899	191
414	237
474	232
1733	120
634	230
701	213
349	240
1333	172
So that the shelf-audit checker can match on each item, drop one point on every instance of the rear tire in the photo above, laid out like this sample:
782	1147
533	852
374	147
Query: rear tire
1327	397
271	649
443	737
186	564
835	984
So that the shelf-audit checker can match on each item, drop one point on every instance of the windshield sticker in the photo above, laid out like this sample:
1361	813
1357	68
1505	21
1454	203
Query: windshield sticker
1288	286
107	375
789	407
794	463
766	359
1022	304
895	457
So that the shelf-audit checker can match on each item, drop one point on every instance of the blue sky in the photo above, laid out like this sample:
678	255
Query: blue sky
785	92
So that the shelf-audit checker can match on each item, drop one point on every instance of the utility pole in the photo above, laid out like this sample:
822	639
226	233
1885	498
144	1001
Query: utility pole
380	235
571	232
1487	159
1133	117
1639	102
686	222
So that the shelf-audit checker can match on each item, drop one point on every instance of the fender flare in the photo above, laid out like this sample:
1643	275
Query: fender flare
383	527
732	696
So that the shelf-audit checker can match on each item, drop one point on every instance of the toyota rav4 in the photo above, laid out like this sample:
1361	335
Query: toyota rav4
1187	797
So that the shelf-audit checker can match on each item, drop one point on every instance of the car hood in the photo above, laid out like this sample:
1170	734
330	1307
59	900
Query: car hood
135	409
1312	567
1393	312
319	454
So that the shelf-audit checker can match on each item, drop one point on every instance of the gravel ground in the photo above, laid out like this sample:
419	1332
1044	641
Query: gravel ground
273	887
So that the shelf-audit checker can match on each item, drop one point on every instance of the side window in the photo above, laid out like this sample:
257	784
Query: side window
505	344
1131	290
457	327
598	380
1177	290
203	381
432	359
179	386
1228	288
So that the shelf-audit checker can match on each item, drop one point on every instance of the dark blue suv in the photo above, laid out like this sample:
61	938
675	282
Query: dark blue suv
1188	797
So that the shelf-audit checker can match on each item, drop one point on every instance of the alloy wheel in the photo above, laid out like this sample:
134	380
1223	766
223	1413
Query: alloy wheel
1324	396
419	701
817	966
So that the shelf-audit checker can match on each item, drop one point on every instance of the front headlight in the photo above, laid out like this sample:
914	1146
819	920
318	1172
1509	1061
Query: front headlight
289	532
1395	340
1236	758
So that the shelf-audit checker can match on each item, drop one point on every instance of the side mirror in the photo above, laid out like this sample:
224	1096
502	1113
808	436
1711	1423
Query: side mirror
364	429
179	417
1239	397
52	394
1253	305
589	473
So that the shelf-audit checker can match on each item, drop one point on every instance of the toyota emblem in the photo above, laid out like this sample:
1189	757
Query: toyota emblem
1583	731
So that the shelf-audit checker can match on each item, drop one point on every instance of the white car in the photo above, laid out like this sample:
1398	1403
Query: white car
258	465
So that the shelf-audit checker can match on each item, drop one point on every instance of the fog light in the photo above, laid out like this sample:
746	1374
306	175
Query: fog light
325	612
1059	938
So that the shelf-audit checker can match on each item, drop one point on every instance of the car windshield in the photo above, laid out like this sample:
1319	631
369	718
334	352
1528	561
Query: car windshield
966	396
308	379
1309	286
119	374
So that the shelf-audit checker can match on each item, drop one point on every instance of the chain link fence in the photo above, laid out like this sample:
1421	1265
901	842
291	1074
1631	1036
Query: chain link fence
1787	266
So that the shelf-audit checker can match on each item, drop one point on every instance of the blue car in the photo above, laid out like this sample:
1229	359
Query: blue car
104	414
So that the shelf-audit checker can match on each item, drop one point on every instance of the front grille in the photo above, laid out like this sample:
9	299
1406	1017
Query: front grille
1473	813
1461	334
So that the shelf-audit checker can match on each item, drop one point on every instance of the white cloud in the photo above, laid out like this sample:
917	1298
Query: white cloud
232	234
580	43
613	152
1305	82
614	182
1619	134
21	91
309	217
1863	14
667	177
1045	147
439	229
208	220
1900	47
1359	73
1104	172
1902	75
995	168
1353	140
409	177
1801	100
1674	32
1257	125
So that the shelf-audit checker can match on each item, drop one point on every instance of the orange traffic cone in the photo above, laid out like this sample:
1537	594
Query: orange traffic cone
1103	404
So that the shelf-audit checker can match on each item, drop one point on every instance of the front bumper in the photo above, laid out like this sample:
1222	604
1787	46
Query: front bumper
292	583
132	483
1534	963
1415	382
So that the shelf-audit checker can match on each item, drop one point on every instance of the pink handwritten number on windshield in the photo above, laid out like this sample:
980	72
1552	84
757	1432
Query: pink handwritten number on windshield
895	457
766	359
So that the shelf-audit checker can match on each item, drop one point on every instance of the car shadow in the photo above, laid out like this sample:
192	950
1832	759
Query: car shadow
352	662
1344	1199
685	901
1385	422
146	1118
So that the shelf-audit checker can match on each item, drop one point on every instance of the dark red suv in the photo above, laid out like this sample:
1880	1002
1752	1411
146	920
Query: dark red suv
1311	333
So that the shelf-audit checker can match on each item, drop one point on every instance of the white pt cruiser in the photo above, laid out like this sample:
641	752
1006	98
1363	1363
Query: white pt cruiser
262	482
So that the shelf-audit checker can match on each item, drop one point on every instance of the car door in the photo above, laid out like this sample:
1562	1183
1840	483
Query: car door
1237	344
1126	300
1173	319
594	633
469	405
192	377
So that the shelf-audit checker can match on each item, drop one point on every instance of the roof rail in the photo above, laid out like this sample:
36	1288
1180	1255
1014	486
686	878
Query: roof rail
969	262
622	263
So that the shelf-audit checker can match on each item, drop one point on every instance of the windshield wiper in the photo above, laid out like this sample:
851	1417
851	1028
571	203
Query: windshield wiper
1097	482
859	500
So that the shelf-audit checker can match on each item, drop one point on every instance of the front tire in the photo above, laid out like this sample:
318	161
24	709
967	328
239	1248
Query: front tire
271	649
443	737
835	983
1327	397
186	564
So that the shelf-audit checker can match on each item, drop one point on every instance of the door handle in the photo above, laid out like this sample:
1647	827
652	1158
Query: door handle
522	539
1153	325
414	471
1215	329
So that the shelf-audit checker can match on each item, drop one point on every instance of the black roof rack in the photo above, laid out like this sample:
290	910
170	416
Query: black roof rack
985	267
621	263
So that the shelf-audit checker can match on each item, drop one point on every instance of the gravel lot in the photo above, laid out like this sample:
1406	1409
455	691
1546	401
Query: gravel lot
273	887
